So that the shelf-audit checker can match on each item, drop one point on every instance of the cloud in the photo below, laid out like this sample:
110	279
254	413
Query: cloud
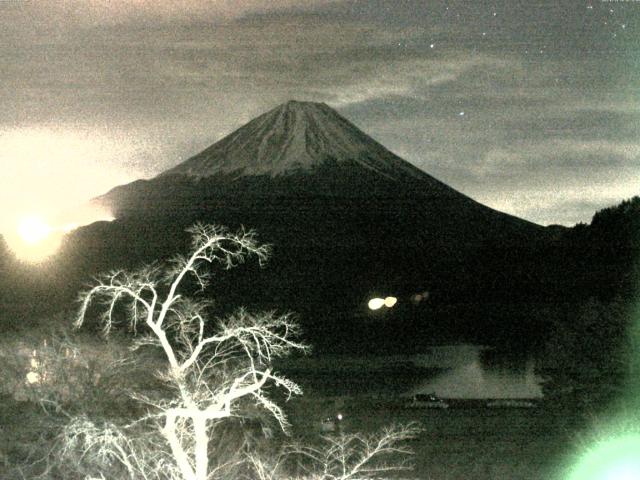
160	80
556	208
49	168
561	160
557	182
73	13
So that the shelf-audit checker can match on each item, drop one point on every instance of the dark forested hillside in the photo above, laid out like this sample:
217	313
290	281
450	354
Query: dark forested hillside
591	348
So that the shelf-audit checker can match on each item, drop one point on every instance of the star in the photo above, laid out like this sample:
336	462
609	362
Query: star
432	45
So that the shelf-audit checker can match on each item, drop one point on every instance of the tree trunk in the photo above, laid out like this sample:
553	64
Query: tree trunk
201	447
176	448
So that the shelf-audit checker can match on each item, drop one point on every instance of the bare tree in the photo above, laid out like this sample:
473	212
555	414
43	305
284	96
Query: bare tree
211	370
348	456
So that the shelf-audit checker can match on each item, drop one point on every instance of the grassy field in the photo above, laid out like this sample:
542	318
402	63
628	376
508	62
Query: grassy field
473	443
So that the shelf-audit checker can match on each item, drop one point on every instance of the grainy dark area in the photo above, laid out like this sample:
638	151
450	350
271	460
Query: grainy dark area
435	200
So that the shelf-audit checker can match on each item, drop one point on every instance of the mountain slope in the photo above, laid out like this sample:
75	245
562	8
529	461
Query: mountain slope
298	150
347	219
295	137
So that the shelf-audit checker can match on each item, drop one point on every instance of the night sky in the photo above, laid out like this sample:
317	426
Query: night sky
532	108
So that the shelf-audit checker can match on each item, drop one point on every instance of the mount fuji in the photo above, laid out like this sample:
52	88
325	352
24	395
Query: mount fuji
295	137
297	150
347	218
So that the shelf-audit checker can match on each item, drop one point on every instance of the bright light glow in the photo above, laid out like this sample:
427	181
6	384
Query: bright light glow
70	227
376	303
49	169
33	230
33	239
73	218
33	377
390	301
615	459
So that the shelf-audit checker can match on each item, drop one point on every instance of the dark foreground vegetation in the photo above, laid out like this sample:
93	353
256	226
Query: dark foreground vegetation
471	443
196	396
587	349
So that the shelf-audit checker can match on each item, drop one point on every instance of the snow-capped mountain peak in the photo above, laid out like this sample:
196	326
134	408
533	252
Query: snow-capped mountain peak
292	138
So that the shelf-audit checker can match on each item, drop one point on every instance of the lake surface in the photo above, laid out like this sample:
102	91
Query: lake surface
449	371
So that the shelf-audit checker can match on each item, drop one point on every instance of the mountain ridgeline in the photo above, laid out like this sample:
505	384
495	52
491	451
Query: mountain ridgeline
303	168
348	220
297	137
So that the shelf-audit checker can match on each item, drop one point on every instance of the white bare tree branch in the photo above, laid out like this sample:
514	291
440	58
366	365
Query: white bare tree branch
211	369
353	456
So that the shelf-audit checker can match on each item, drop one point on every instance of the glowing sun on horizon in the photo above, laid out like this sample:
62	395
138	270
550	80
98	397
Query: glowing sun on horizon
34	239
33	230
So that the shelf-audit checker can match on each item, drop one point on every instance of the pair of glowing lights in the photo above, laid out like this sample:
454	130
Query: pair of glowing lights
378	303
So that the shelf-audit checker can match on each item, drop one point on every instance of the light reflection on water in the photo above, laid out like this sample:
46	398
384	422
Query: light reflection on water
456	371
472	371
